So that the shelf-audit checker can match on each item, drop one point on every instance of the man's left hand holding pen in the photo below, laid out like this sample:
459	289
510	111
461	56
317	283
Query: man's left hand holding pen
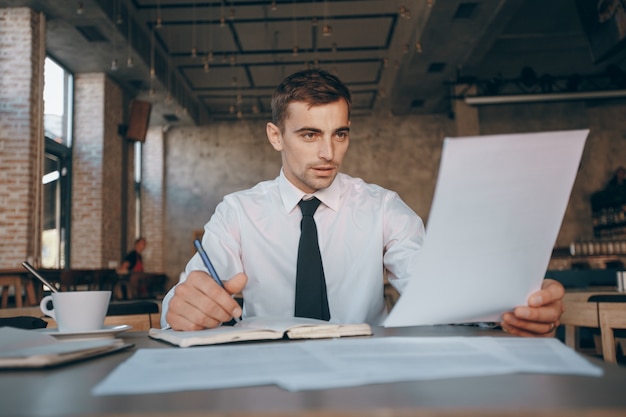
200	302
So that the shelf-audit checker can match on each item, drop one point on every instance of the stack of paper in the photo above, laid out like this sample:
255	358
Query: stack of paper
31	349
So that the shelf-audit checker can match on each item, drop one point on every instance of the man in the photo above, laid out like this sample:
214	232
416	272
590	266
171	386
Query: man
363	229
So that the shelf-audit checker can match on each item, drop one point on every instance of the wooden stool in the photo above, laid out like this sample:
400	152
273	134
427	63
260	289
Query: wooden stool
6	283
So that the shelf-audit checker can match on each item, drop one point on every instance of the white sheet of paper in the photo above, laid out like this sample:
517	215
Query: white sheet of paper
324	364
497	210
210	367
397	359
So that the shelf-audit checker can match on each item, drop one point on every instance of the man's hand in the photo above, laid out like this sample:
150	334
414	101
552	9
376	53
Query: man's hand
541	317
200	303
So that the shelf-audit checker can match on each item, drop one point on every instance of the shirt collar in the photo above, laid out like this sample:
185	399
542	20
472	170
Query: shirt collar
291	195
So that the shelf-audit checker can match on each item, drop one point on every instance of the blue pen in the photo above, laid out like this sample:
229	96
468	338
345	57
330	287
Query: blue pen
209	265
207	262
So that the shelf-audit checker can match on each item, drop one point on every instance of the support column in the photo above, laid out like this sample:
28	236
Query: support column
96	172
22	145
152	199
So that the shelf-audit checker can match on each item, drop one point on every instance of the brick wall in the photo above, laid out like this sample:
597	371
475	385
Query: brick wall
97	172
22	56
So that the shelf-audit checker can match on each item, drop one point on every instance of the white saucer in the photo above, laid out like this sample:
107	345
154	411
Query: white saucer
107	332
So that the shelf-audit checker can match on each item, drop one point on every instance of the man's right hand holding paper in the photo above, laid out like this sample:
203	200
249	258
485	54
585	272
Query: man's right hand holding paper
200	303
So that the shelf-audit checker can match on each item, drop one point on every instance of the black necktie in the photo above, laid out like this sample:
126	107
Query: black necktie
311	299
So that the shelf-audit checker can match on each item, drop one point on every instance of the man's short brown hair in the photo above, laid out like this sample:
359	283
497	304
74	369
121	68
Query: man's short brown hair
313	86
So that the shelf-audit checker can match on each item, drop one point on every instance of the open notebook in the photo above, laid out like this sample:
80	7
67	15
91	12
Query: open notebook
497	210
262	328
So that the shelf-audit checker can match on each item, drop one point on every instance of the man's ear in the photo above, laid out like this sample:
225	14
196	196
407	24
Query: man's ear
274	135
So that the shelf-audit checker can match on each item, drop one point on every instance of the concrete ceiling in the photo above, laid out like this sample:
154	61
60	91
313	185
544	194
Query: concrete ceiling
216	60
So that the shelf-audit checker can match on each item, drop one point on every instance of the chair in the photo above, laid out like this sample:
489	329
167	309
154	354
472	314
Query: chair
140	285
18	282
7	282
105	279
611	316
578	314
71	279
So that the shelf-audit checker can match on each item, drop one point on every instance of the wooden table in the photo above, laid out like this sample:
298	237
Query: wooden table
20	280
67	391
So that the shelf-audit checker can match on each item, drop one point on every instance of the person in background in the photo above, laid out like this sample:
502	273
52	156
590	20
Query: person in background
133	261
364	230
131	272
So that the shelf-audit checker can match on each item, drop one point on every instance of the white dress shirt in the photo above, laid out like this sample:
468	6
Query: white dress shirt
363	230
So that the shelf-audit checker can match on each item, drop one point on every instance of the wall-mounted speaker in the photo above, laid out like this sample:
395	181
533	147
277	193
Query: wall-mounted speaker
138	120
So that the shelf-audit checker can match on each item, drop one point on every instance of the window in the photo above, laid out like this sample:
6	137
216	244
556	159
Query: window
57	96
58	100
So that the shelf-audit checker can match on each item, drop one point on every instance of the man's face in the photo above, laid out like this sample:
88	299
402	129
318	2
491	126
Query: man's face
312	142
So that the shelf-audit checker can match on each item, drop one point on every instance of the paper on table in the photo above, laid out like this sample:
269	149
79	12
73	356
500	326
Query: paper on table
323	364
496	213
222	366
395	359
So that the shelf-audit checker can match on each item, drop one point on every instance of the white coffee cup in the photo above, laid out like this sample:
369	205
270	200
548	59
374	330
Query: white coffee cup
77	311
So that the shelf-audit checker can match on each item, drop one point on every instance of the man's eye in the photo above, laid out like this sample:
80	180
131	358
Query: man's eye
309	135
341	136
